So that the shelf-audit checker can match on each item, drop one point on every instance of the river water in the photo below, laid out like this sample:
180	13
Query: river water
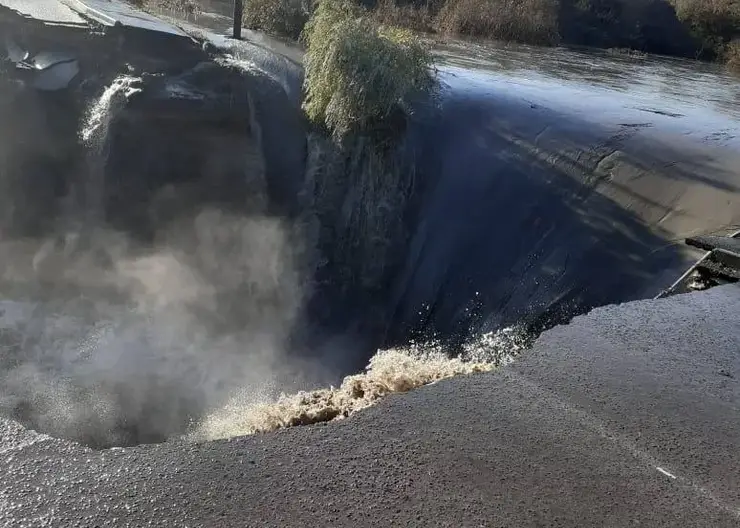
706	94
696	88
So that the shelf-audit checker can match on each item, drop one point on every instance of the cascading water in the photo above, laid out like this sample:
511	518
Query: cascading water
192	332
389	371
94	135
101	112
132	341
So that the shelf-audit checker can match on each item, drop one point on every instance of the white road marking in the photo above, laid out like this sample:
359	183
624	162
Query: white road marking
666	473
594	424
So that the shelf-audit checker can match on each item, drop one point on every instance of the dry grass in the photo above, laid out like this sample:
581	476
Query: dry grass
416	18
278	17
732	55
715	23
530	21
708	11
189	7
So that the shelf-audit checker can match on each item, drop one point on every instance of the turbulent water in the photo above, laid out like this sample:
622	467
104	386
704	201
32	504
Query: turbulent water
101	112
389	371
133	349
110	341
109	374
94	134
121	375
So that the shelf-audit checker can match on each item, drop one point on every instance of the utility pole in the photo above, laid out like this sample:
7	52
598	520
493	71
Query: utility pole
238	13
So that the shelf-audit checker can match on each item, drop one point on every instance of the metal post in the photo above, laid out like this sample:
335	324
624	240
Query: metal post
238	12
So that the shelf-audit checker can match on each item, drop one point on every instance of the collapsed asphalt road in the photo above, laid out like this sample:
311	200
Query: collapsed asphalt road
627	416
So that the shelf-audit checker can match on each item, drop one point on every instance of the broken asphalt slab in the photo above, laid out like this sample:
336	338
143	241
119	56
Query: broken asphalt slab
627	415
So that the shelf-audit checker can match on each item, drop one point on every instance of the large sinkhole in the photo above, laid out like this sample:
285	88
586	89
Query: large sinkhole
180	246
166	255
148	267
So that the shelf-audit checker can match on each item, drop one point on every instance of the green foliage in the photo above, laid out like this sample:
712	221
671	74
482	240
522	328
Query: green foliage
358	72
360	77
278	17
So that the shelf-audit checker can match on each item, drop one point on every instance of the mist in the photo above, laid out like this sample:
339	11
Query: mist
115	343
148	292
116	335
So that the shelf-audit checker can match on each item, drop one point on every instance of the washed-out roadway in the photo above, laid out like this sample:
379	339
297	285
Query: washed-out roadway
628	416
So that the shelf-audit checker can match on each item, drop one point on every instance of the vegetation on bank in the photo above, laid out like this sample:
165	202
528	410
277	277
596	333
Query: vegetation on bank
715	26
704	29
360	80
358	72
529	21
732	55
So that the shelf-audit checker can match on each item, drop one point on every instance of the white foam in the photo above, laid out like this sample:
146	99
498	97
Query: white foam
100	113
389	371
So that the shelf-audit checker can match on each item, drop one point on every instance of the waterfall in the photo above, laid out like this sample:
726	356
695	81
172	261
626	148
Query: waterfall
88	199
101	112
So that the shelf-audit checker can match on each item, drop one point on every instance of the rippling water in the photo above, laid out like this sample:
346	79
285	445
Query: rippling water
605	85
